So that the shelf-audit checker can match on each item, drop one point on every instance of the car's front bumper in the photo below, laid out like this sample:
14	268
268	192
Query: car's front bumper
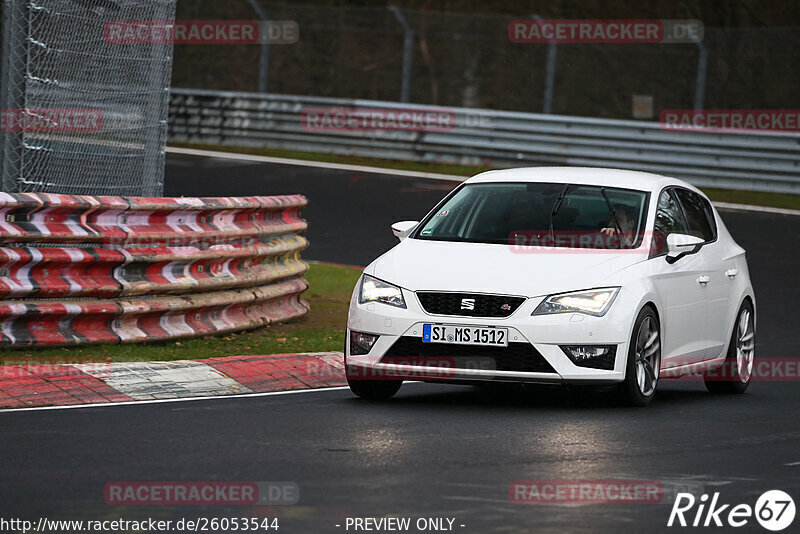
545	333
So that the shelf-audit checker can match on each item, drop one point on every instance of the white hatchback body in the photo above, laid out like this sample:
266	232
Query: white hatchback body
696	287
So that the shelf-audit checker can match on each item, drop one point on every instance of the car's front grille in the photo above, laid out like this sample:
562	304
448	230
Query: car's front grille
469	304
520	357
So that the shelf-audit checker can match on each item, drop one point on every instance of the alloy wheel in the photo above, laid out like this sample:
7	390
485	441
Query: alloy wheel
648	356
745	345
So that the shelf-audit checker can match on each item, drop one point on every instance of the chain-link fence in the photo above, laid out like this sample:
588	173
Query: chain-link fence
83	113
457	59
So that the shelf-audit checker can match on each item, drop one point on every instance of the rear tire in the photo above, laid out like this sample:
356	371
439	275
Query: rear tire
737	370
644	360
376	389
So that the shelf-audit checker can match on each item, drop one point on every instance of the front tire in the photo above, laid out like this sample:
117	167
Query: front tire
375	389
737	370
644	360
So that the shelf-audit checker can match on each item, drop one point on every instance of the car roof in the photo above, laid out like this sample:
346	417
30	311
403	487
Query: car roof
642	181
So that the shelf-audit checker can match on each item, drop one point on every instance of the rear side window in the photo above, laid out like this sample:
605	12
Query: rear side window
669	220
699	215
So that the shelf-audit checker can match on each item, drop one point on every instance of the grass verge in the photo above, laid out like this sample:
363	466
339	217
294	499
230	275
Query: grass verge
754	198
322	329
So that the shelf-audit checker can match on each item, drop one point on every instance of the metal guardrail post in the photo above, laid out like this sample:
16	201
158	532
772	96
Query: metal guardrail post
550	74
702	72
12	89
550	79
157	112
263	62
408	51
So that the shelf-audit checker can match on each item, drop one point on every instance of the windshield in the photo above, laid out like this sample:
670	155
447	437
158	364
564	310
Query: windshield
540	214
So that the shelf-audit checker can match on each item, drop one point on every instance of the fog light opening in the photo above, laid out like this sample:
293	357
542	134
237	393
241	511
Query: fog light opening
592	356
361	343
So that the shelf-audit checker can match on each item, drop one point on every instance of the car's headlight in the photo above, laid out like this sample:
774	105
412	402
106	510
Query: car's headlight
591	301
374	290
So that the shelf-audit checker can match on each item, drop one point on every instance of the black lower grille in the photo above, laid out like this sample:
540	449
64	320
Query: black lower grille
469	304
520	357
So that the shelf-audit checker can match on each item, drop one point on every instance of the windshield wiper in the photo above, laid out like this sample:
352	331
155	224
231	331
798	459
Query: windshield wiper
620	234
556	207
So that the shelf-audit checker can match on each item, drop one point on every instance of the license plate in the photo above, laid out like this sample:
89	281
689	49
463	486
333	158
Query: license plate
464	335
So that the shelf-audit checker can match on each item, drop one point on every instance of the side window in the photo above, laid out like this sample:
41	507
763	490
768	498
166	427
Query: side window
669	220
698	215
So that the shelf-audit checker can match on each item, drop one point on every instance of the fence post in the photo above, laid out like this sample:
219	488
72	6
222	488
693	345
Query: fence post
263	62
550	78
157	114
702	72
408	50
13	80
550	73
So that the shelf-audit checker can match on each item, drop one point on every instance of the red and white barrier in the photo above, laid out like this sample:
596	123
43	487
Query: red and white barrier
81	269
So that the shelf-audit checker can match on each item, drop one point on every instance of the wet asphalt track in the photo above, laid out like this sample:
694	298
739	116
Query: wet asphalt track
441	451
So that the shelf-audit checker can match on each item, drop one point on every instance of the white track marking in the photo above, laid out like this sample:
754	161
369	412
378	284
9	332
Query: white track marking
318	164
162	401
761	209
166	380
409	174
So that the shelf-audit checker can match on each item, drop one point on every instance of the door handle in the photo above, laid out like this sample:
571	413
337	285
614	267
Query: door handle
730	273
703	280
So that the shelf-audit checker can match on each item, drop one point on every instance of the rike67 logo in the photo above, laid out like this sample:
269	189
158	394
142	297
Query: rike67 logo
774	510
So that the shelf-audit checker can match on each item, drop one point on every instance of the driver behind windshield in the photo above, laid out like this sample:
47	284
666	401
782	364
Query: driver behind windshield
626	218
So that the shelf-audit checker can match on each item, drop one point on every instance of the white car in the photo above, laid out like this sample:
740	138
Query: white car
557	275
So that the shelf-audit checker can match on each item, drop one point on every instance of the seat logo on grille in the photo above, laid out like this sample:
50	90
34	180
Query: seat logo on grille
505	307
467	304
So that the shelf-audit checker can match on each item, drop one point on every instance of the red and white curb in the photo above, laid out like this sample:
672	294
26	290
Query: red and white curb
23	386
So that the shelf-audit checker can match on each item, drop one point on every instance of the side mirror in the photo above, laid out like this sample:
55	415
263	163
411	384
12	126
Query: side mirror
680	245
403	228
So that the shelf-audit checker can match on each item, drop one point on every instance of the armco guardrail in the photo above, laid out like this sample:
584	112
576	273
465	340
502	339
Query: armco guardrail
80	269
752	161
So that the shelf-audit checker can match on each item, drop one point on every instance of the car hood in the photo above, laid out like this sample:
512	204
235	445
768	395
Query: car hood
482	268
